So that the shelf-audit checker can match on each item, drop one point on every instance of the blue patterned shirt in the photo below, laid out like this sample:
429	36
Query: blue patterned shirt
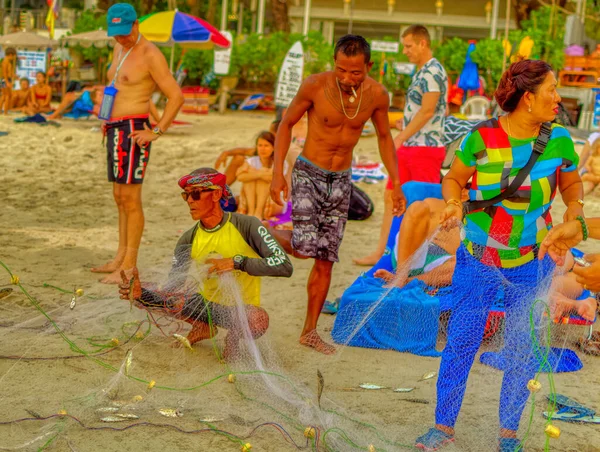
431	78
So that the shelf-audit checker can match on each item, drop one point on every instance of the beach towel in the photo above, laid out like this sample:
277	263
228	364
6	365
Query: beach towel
37	118
391	323
373	316
283	218
251	102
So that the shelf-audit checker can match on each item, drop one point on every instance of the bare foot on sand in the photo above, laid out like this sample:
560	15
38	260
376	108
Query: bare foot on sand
313	340
109	267
367	261
115	277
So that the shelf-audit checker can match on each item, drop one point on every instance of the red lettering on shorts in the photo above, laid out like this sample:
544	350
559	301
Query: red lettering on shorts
141	169
118	154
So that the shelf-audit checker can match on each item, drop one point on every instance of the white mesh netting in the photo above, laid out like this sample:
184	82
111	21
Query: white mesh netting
89	372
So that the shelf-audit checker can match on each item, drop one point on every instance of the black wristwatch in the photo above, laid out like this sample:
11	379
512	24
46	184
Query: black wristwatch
238	262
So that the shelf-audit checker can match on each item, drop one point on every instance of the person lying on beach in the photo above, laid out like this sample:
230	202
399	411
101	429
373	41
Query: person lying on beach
40	96
66	105
20	97
225	243
434	264
591	176
256	175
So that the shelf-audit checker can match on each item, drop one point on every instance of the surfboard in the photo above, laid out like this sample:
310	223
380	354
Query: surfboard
290	75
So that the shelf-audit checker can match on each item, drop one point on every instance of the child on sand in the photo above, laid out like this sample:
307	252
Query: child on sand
20	97
8	75
255	175
591	178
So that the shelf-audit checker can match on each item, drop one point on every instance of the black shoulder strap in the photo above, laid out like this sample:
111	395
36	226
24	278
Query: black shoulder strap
538	149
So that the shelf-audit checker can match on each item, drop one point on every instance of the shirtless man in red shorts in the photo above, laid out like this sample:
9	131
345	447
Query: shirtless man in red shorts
138	68
338	103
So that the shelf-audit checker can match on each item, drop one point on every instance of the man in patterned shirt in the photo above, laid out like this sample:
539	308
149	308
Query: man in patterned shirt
419	145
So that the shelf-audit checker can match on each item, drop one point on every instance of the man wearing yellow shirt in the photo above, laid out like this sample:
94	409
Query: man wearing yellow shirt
220	242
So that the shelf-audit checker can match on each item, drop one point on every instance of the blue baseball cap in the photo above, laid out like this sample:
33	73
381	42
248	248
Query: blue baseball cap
120	18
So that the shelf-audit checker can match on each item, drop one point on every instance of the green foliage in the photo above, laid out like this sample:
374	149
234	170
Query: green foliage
547	33
488	56
452	54
256	59
548	45
592	27
88	21
393	82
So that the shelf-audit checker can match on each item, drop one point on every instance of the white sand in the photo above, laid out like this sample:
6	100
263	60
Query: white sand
58	219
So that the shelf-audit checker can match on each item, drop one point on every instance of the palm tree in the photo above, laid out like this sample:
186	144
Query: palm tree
281	21
211	11
523	8
146	7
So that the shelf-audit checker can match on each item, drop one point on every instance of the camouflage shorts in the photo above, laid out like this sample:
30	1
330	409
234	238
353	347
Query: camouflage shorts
320	202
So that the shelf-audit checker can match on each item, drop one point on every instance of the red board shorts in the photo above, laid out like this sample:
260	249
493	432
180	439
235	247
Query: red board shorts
126	160
419	163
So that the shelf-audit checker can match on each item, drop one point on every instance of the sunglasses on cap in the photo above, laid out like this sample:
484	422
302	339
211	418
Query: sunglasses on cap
194	194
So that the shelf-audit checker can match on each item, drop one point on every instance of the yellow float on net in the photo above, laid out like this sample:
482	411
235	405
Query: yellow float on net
372	448
246	447
310	432
79	292
534	385
139	335
114	341
552	431
62	412
231	378
151	384
14	279
137	398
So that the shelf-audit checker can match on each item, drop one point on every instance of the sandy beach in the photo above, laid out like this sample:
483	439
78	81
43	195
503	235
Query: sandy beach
58	220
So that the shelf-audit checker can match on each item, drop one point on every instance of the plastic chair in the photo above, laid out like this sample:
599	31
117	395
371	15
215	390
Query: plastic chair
476	107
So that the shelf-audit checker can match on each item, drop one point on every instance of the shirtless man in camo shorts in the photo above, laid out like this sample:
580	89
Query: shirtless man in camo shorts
338	103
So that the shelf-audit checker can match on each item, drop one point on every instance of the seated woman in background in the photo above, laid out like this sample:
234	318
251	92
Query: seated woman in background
255	175
89	99
238	155
40	97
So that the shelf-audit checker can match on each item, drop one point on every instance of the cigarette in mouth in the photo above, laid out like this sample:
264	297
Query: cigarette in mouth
354	92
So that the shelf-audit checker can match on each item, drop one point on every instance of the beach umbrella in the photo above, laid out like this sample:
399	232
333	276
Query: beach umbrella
174	27
26	40
97	38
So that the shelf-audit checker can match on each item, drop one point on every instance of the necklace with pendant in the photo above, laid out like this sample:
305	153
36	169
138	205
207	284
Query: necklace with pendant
351	99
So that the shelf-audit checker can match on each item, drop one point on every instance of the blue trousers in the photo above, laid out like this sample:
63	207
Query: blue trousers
475	286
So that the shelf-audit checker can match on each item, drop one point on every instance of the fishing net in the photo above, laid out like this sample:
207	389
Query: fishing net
81	369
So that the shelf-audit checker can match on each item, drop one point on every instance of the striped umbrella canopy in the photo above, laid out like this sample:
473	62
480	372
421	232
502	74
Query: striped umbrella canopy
174	27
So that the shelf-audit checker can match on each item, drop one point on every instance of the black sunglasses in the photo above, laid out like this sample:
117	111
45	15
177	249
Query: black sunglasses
194	194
